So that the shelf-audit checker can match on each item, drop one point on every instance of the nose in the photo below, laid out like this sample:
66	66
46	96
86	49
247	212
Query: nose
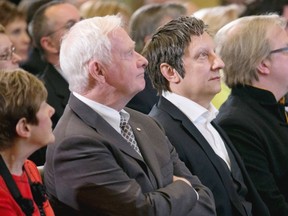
15	58
142	61
218	63
51	111
26	39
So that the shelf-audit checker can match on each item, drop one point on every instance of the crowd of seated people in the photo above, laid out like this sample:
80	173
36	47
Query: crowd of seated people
149	107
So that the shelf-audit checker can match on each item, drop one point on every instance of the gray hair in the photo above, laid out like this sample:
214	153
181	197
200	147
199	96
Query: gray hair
86	40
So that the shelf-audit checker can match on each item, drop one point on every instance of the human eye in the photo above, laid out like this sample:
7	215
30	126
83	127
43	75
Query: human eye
69	24
131	52
202	55
4	56
16	32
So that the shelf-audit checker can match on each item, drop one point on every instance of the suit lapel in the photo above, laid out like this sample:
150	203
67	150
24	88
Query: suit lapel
95	121
177	115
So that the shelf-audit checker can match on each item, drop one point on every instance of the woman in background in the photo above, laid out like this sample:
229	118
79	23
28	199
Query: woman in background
15	24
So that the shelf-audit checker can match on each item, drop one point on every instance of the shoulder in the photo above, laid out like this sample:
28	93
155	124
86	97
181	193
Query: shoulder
144	120
32	171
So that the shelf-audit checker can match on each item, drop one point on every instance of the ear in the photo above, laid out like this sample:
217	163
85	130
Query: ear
264	67
23	129
48	44
96	71
169	73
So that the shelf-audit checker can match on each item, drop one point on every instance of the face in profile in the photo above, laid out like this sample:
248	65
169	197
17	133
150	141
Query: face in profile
17	32
201	66
41	134
126	72
8	58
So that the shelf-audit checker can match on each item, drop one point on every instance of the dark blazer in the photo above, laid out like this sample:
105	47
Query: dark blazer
256	124
92	170
202	161
58	91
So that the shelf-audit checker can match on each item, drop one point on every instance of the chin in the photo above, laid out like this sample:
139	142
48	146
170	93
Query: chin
51	140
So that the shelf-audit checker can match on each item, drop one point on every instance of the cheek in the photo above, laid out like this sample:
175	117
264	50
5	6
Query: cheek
15	39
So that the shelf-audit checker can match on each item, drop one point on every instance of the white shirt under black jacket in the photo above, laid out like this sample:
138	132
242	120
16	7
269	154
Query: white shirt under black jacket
201	118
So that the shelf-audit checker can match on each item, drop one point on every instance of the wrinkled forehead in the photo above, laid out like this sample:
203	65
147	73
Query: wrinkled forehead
120	38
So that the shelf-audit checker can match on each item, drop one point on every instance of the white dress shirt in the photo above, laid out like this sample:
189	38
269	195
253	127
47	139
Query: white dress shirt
110	115
201	118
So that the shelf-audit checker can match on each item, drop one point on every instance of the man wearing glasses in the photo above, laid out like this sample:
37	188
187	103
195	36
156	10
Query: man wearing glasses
49	24
8	58
255	52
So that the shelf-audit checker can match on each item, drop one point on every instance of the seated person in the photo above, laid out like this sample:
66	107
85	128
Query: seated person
187	76
8	58
125	163
254	49
25	126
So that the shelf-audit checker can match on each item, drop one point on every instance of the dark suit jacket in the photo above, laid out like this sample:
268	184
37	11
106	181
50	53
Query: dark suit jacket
58	91
256	125
202	161
92	170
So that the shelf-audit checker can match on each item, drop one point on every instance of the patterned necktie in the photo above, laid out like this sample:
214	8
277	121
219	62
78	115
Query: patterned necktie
127	133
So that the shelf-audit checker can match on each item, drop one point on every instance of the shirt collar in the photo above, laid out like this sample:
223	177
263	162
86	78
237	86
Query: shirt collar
192	110
110	115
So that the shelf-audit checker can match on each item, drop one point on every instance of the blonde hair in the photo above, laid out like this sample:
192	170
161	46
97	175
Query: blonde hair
243	44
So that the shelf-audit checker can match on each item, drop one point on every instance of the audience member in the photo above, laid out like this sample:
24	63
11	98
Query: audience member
93	8
143	23
254	49
115	176
8	58
216	17
148	18
35	63
50	22
25	126
15	25
185	70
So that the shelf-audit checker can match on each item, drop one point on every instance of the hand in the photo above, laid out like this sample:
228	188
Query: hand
176	178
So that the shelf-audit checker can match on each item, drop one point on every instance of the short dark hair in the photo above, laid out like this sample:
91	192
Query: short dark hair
168	45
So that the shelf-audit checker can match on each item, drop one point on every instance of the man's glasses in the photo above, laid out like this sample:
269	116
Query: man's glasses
66	27
284	49
7	55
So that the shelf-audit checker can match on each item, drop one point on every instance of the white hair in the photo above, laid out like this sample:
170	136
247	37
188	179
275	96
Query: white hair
86	40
